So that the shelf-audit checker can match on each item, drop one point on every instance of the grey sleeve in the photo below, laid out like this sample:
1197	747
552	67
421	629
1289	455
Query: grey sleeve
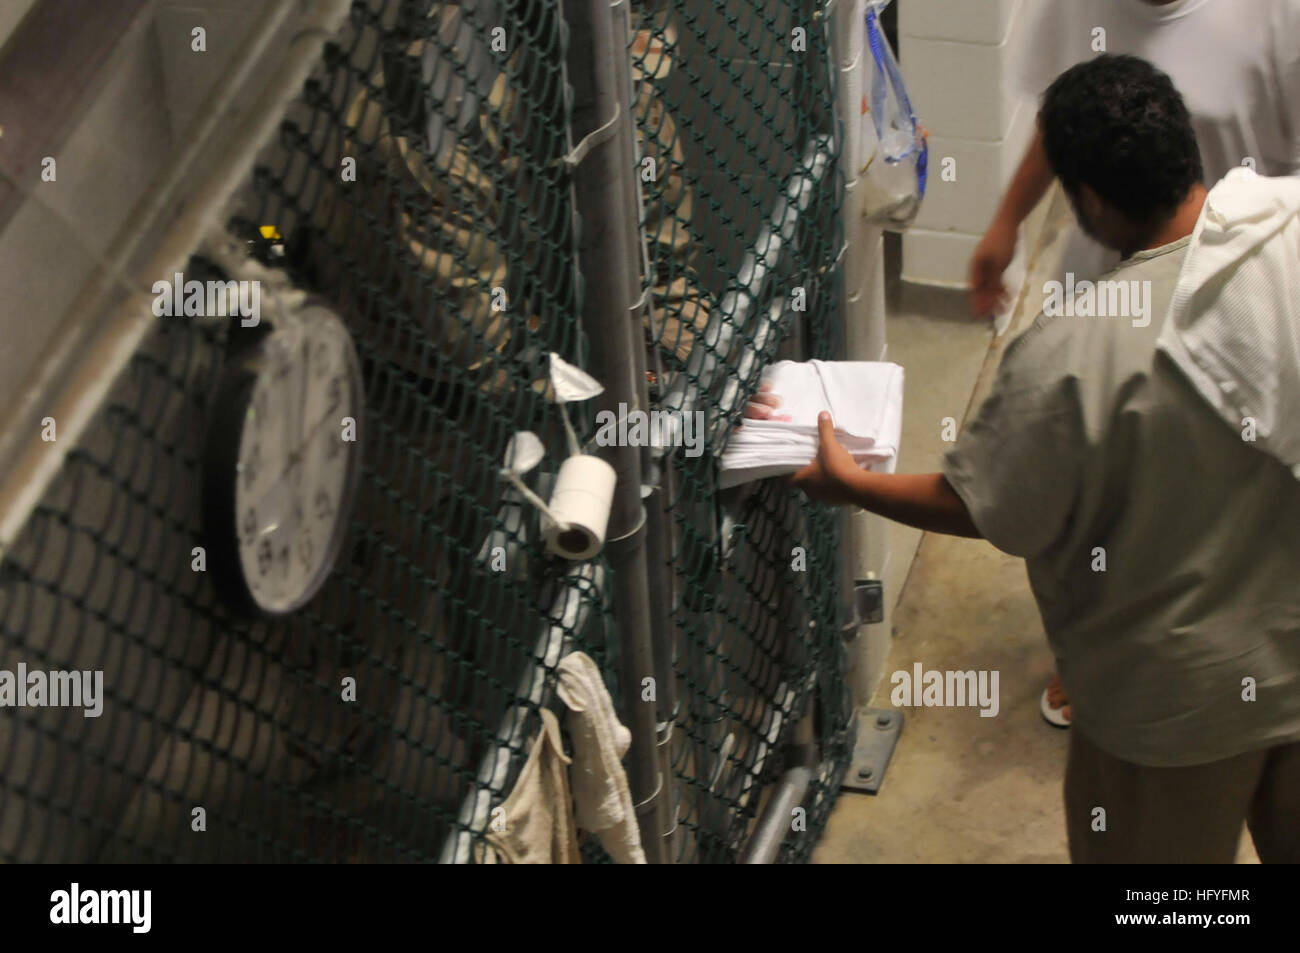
1017	464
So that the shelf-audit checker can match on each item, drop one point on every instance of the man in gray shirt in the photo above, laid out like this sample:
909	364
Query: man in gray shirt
1163	547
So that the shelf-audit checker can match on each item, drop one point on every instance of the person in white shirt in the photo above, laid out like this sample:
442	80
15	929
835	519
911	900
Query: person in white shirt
1236	64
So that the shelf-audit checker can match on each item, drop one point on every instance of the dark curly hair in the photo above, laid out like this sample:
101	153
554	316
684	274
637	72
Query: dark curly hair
1118	125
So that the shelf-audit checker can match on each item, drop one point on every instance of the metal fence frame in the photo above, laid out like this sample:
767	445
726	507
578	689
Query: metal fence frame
603	146
615	290
605	195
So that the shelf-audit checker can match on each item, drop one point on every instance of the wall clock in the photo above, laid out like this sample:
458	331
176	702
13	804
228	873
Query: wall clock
282	460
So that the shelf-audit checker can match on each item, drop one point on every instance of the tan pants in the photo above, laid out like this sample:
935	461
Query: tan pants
1181	815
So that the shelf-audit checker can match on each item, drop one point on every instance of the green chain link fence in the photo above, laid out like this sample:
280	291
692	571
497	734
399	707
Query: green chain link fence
450	255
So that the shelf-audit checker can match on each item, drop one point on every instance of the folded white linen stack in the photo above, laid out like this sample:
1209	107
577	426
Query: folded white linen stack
864	398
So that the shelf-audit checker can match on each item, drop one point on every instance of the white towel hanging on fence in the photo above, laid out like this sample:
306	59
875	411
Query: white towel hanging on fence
600	789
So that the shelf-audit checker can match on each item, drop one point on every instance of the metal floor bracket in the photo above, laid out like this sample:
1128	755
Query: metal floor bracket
878	731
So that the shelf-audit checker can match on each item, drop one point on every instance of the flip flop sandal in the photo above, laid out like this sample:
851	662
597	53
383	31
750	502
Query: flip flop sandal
1053	716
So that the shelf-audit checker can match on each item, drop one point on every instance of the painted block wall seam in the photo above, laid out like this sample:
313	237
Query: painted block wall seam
982	171
982	121
937	258
968	108
978	105
969	21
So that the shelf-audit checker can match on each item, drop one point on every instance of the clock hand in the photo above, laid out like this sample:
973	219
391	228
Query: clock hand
293	460
296	413
290	419
302	405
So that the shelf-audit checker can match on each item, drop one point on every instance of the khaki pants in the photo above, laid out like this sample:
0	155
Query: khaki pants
1181	815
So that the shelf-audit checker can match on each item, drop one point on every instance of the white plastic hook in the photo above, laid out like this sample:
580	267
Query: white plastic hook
523	452
569	383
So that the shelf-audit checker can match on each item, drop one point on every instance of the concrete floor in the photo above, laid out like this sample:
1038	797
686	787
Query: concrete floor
942	351
961	788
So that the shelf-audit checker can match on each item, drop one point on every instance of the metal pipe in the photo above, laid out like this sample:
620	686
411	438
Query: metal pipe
597	67
775	822
655	532
660	594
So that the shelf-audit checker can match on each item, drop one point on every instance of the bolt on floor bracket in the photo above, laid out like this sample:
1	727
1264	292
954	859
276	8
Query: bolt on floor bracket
878	731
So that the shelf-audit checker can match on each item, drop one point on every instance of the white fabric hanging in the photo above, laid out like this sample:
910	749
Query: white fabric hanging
1233	326
601	796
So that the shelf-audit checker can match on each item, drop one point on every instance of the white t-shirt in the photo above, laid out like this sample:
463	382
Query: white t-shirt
1236	63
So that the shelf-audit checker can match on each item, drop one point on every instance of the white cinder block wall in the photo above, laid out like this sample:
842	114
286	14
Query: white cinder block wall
956	58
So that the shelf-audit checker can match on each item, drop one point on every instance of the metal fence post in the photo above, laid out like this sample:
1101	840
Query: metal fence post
653	475
608	261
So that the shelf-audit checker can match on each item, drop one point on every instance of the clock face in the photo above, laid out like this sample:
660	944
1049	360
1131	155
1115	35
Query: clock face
296	457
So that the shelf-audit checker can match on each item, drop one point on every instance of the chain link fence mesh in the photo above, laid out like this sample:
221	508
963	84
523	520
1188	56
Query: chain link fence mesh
419	186
743	228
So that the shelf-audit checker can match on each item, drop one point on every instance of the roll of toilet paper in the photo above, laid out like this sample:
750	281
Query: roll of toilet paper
580	502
